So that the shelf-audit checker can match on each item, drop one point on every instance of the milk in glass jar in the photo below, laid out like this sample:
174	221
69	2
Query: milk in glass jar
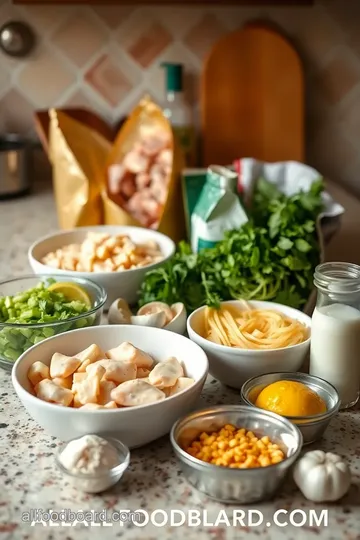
335	332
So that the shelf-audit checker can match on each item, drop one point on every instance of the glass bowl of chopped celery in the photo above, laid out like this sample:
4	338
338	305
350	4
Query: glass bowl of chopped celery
34	308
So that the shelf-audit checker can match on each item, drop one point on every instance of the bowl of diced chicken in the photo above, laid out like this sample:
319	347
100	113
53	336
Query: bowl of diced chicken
115	257
127	382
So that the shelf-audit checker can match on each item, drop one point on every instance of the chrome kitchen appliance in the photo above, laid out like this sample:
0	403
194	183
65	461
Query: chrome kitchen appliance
15	164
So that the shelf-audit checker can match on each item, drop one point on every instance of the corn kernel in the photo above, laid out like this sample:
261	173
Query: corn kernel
222	445
277	453
236	449
264	461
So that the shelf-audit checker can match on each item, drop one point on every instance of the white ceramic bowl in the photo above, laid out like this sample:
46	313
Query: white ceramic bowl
134	426
117	284
235	366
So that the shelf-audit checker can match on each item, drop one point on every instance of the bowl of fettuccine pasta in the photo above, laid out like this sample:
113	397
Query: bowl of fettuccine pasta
245	339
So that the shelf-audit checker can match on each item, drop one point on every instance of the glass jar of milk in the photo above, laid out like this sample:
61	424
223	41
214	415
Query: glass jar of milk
335	330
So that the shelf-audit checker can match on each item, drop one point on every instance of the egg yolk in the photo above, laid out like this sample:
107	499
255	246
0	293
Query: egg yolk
290	398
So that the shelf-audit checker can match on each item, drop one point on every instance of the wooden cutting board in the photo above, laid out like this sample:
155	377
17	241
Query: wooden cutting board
252	98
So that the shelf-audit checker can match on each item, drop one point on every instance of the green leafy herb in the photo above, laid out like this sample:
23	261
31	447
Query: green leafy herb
272	257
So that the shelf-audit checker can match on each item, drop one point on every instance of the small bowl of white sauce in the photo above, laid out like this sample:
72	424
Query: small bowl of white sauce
93	464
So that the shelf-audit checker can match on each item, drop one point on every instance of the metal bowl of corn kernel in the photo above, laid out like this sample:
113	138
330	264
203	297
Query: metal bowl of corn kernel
228	484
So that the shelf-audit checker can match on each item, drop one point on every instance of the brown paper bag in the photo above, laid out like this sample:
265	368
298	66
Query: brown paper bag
82	159
78	155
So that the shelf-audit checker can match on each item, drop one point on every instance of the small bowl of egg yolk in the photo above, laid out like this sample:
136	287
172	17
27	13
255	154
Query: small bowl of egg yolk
307	401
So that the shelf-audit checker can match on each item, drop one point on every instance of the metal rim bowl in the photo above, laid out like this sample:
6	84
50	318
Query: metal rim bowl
312	427
229	485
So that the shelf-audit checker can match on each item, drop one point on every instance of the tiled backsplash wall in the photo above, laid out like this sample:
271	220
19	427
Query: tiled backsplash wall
107	57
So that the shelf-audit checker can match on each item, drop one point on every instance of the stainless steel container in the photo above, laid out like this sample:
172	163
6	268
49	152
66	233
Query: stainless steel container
14	166
235	485
311	427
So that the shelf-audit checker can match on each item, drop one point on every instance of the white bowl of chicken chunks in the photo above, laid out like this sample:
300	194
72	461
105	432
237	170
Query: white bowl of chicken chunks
128	382
115	257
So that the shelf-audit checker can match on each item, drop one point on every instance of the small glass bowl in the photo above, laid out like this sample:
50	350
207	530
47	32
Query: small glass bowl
96	483
15	338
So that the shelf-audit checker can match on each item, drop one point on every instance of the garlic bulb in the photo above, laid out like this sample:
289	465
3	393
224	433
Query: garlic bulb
157	320
322	476
119	312
178	323
156	307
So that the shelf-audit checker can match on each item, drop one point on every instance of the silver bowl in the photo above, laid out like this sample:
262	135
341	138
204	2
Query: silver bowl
235	485
311	427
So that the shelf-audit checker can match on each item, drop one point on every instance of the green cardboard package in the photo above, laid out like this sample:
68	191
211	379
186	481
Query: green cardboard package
212	205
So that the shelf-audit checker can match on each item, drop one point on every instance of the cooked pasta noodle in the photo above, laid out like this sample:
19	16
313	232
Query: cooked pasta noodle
252	328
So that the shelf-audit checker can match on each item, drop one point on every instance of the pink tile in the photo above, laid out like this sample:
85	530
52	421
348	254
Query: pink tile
45	18
346	14
81	99
44	78
78	99
106	77
178	20
204	35
152	41
354	43
340	76
113	16
349	117
16	113
317	37
330	151
79	38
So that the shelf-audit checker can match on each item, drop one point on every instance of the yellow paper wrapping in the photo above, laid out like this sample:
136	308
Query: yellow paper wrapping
81	157
77	170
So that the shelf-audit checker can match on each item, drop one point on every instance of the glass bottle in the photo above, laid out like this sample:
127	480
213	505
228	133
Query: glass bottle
335	331
178	112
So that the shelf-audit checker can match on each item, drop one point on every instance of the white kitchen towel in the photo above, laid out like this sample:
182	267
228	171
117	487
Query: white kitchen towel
290	177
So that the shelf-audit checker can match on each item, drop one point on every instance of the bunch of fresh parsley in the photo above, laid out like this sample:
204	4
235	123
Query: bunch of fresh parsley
272	257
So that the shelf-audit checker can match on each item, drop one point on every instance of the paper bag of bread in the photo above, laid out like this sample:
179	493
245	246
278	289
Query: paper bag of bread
133	181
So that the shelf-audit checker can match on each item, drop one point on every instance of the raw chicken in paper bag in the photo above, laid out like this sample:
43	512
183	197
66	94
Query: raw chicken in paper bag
133	181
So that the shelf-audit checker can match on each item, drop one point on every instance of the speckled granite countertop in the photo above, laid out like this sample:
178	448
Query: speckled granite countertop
29	480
